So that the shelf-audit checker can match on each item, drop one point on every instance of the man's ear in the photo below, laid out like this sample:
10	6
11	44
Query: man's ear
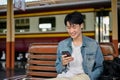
82	26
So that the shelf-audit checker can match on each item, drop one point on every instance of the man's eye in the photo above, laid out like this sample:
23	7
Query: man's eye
68	27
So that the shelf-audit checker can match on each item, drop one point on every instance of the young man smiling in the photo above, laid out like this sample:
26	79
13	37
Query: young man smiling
85	62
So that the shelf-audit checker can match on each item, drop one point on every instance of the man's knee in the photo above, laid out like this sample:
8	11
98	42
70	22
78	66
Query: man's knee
81	77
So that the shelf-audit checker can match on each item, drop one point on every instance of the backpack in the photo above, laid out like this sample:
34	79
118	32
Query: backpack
111	69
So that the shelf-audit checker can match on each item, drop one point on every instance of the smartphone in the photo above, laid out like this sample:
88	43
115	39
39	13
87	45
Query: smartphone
67	53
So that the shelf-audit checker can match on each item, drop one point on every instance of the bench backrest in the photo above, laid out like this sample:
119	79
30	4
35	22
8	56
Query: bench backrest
108	50
41	60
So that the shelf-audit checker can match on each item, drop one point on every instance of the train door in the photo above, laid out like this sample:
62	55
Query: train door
102	28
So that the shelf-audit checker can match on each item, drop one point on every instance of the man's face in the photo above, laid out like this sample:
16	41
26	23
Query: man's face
74	30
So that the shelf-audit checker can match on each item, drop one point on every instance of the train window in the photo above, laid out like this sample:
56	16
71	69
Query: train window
47	24
2	26
22	25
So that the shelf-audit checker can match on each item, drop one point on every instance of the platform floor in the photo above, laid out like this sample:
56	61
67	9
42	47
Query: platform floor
20	69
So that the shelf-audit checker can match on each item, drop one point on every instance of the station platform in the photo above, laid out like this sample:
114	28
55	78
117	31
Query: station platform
19	70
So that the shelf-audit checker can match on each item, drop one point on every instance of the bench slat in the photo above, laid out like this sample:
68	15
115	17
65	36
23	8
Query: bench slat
41	62
47	57
43	49
43	68
42	74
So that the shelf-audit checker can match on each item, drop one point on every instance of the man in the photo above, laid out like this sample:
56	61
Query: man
85	62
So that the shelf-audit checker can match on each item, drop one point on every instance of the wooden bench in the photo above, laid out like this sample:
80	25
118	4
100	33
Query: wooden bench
41	59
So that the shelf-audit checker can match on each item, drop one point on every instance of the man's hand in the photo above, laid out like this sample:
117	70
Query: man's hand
66	60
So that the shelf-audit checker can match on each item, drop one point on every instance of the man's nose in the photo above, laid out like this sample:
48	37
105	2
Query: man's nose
71	29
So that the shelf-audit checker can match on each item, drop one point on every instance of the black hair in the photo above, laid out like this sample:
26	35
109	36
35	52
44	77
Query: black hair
74	18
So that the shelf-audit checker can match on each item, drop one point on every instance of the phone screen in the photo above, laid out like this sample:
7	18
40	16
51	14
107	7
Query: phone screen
67	53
